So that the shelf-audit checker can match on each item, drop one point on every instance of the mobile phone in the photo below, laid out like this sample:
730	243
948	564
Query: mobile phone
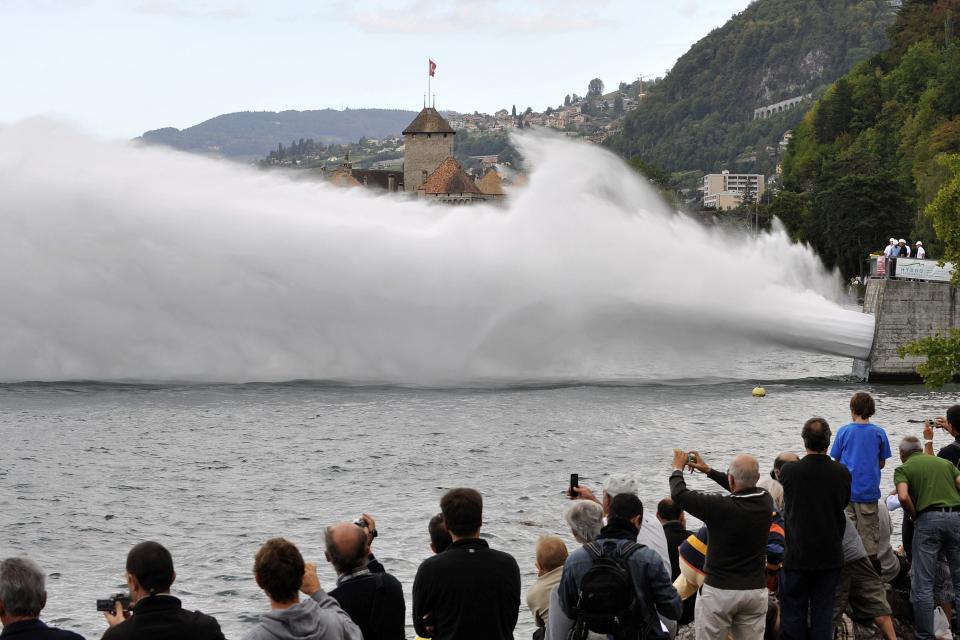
574	483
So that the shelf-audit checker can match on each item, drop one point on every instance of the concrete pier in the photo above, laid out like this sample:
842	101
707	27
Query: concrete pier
905	310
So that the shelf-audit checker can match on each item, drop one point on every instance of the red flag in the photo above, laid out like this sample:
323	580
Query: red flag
433	67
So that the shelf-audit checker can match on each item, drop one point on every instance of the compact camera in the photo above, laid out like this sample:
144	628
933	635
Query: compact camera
110	604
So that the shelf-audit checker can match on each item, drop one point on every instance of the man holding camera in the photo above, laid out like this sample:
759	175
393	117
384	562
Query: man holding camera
733	599
154	613
371	597
950	424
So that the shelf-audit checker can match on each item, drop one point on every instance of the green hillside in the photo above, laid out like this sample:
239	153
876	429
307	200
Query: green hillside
253	134
701	115
874	152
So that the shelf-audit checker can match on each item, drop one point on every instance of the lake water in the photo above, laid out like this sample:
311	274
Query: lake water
211	471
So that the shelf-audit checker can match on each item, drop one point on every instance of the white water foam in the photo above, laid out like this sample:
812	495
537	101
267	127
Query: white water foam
120	262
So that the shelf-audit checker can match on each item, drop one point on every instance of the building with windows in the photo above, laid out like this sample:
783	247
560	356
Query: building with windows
428	141
724	191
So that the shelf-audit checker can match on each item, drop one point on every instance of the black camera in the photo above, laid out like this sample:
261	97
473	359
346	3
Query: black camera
110	604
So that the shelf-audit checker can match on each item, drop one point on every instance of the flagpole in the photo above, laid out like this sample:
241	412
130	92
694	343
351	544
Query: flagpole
429	77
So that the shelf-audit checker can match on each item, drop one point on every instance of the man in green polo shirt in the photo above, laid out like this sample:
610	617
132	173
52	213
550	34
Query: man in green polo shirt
929	490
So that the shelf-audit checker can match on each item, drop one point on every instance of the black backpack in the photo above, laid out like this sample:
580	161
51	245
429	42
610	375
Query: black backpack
607	601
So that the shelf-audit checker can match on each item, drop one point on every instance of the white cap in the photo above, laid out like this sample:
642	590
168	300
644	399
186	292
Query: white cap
893	239
903	241
619	483
919	244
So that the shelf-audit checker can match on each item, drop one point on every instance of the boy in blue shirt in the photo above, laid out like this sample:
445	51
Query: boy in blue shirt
864	448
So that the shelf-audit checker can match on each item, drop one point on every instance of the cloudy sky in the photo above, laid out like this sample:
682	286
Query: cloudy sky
120	67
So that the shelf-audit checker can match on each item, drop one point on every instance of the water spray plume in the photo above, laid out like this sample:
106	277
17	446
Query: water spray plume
120	262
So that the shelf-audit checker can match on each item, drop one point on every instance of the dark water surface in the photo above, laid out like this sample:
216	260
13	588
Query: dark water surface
211	471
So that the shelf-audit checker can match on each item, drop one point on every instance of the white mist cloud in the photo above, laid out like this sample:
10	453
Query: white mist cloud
127	262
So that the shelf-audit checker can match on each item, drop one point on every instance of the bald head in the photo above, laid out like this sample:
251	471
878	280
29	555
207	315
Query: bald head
346	547
745	472
551	553
783	458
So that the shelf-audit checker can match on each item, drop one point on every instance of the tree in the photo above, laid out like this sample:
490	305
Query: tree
943	210
595	88
566	100
548	111
943	357
618	105
623	86
651	172
513	111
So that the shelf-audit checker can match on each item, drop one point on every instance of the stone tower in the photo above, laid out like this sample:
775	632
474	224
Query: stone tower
428	141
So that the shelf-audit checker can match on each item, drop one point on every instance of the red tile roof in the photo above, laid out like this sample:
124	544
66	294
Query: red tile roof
449	177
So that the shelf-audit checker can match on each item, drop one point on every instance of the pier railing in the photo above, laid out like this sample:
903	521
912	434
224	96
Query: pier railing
910	269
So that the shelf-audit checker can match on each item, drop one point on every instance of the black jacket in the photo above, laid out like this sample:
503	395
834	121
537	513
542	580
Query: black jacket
374	601
162	618
816	491
36	630
739	524
468	591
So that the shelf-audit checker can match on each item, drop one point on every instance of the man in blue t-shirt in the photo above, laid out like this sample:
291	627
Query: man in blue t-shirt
864	448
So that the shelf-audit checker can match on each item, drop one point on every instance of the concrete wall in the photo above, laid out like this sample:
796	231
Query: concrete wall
905	310
422	153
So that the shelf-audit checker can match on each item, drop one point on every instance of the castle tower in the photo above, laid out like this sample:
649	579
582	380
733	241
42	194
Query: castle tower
428	141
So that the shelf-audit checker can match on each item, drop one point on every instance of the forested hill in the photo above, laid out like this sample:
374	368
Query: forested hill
252	134
875	152
701	115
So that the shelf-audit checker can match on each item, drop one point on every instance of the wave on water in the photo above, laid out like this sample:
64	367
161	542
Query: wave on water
120	262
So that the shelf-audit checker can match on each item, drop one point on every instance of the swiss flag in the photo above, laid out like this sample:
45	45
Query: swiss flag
433	67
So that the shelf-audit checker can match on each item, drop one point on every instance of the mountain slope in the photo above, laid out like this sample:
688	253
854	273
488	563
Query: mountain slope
872	153
701	115
253	134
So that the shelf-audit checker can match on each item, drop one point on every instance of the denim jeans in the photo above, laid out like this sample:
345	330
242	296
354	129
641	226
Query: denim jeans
934	532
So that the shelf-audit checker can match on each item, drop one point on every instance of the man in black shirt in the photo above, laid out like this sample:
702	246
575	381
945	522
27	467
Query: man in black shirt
469	591
733	598
950	424
371	597
816	491
155	614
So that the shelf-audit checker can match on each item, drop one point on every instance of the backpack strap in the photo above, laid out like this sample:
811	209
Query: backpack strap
594	549
629	549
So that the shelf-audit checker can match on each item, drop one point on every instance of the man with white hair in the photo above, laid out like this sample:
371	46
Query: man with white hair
23	596
921	252
585	520
733	599
651	533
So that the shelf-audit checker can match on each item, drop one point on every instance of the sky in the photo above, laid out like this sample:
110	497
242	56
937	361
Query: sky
117	68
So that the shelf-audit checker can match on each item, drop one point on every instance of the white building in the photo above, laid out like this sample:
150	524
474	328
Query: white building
724	191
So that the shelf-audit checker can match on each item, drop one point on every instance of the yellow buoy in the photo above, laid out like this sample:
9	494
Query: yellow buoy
759	392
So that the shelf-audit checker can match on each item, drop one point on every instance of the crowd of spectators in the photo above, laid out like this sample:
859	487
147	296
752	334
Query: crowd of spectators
786	556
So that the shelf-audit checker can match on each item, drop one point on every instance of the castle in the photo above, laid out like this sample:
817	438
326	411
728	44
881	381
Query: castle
430	171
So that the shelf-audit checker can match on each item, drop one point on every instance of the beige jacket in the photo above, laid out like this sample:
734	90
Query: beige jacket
538	597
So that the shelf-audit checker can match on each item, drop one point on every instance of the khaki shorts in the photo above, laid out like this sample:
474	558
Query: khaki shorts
866	517
863	590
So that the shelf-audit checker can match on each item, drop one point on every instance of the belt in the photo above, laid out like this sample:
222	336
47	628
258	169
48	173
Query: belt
942	509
